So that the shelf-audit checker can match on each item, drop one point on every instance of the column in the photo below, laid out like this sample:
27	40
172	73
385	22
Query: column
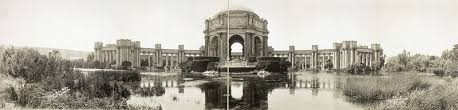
313	60
304	61
345	59
322	61
316	59
352	57
172	60
370	59
166	61
292	59
340	59
117	57
149	59
377	56
120	55
334	60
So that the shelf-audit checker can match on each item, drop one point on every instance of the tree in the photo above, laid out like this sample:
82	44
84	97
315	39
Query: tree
328	64
126	65
90	57
376	65
404	58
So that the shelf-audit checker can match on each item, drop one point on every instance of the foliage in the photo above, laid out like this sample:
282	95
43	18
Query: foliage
376	65
438	97
91	63
369	89
328	64
32	95
358	68
263	65
156	90
198	65
284	65
126	65
273	66
212	66
441	66
115	75
51	82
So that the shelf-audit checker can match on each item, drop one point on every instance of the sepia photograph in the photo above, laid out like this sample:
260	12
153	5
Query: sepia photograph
229	54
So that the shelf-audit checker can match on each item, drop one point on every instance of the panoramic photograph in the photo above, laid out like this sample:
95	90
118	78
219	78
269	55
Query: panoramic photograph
229	54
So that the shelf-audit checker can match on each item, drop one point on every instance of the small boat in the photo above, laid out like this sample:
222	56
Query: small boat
210	73
263	73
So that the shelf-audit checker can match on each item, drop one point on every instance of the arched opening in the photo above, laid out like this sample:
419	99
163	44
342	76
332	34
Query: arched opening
237	51
214	44
236	47
257	46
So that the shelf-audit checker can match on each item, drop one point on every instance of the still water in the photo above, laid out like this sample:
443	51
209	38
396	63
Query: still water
293	91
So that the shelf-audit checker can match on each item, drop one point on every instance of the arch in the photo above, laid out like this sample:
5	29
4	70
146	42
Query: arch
236	39
257	46
214	44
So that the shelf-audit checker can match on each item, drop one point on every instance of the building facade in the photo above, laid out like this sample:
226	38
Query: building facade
126	50
342	55
245	27
248	29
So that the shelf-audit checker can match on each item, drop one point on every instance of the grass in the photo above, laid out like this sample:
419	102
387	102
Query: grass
404	92
438	97
370	89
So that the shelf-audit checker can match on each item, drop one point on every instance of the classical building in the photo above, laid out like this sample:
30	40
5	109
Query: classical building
340	56
126	50
123	50
248	29
245	27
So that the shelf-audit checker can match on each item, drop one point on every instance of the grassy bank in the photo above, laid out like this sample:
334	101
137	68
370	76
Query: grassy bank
404	92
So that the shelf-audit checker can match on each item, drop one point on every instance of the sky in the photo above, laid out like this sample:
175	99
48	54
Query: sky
418	26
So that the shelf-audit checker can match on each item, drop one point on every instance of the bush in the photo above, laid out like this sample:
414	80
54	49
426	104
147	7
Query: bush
212	66
83	102
358	69
438	72
32	95
51	82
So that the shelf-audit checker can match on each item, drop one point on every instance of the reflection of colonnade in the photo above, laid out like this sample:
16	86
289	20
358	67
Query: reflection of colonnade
313	82
170	81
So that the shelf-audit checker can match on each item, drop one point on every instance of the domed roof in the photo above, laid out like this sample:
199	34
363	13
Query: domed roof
238	7
235	8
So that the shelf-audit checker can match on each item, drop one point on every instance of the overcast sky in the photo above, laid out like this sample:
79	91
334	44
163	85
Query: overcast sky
419	26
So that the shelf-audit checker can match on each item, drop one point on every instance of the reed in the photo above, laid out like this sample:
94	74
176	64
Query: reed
370	89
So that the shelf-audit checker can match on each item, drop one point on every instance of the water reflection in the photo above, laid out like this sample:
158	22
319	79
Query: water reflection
293	91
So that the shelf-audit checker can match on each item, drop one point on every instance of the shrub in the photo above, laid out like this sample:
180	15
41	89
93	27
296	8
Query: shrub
32	95
438	72
358	69
51	82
